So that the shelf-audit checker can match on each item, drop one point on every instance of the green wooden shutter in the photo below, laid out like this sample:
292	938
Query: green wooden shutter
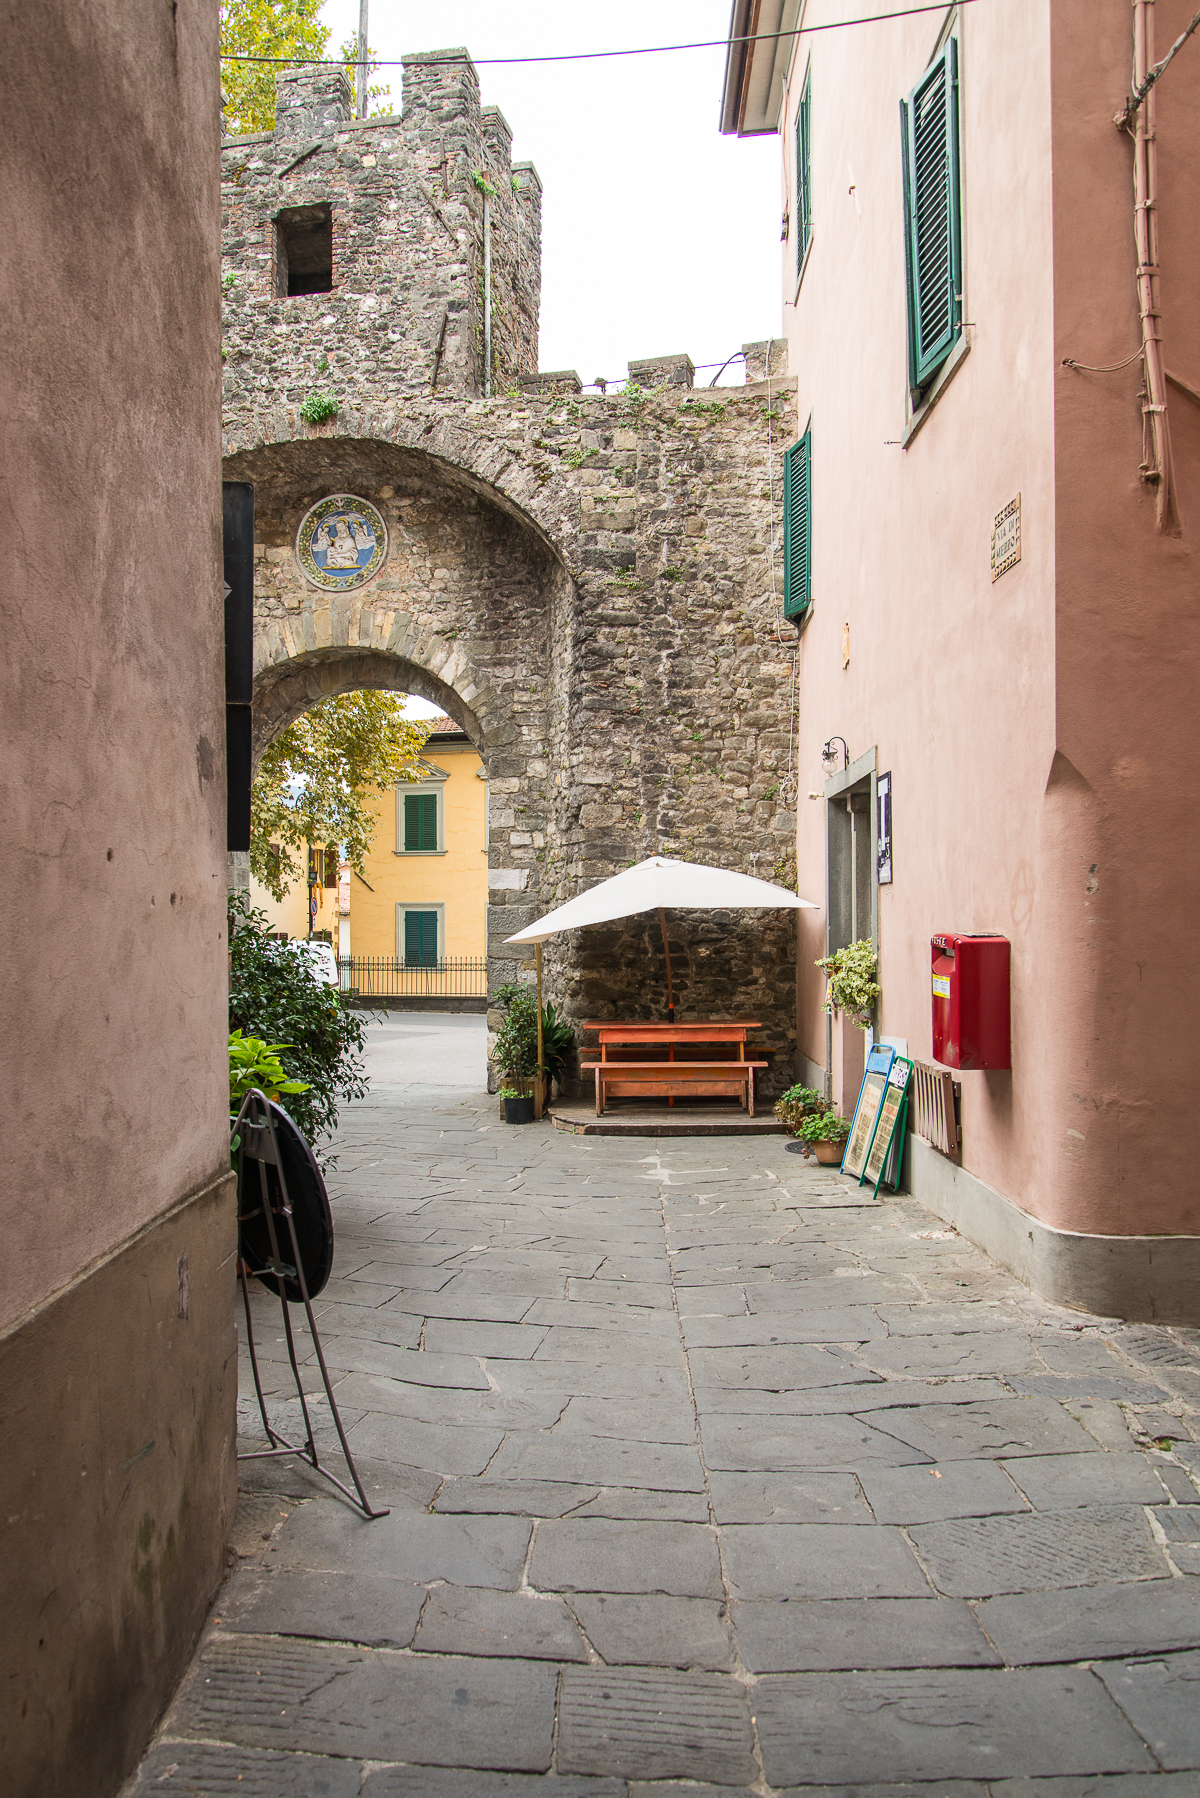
797	528
932	216
804	173
420	939
420	821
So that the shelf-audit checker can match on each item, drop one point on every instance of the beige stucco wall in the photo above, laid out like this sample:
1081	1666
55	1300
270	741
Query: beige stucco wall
949	677
1034	728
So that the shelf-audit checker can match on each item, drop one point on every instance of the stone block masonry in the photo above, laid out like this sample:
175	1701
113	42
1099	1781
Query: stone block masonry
591	585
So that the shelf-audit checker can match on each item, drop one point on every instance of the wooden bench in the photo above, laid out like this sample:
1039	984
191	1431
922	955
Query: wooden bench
643	1061
663	1079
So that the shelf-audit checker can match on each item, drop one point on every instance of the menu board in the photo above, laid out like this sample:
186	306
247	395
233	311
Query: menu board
866	1112
891	1113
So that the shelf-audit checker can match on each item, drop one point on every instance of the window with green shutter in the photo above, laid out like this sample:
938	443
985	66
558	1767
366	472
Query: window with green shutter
932	216
420	939
420	821
804	173
797	528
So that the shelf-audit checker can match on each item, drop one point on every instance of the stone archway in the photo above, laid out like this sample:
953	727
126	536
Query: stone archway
591	590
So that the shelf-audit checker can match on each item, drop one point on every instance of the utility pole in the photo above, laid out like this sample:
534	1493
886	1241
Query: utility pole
361	73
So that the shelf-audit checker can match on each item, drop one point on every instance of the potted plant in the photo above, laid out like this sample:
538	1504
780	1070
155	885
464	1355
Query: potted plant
826	1132
515	1051
851	983
798	1103
558	1040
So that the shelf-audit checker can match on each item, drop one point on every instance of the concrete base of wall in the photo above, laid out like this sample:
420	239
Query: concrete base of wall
117	1487
1146	1279
394	1002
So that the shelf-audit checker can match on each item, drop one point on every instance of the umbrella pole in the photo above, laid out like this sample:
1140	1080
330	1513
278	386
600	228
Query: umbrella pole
539	1091
667	952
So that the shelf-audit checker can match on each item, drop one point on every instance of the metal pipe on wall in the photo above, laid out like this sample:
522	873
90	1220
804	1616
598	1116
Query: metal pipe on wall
360	74
1156	462
487	299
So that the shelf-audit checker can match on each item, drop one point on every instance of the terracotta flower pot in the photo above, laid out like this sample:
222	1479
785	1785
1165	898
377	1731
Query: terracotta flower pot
829	1154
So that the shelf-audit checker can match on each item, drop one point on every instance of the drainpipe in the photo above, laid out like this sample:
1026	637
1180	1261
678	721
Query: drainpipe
487	299
1156	441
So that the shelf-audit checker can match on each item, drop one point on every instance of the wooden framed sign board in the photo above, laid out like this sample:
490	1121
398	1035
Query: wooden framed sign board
889	1126
866	1112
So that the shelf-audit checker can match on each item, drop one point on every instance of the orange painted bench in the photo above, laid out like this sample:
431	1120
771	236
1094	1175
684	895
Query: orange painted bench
636	1071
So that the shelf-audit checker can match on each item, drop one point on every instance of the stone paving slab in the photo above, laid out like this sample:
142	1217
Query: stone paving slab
262	1692
691	1487
976	1557
605	1555
455	1621
952	1489
799	1637
655	1725
820	1560
632	1630
1161	1698
378	1611
1094	1622
934	1726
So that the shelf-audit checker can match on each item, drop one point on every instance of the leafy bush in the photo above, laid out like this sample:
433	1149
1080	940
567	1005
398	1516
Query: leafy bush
515	1053
558	1040
255	1063
799	1102
275	995
823	1126
852	986
318	407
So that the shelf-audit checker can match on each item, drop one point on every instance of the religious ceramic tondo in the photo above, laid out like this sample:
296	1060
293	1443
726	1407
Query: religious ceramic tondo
341	543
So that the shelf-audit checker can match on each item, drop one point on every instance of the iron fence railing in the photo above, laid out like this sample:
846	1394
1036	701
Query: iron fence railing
384	977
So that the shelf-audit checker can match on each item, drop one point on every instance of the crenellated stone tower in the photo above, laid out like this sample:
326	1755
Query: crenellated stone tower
372	231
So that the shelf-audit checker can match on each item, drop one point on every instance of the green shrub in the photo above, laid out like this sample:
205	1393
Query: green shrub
852	986
275	995
318	407
558	1040
515	1053
799	1102
823	1126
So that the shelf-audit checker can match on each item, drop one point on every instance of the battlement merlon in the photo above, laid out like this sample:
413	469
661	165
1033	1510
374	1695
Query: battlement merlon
390	296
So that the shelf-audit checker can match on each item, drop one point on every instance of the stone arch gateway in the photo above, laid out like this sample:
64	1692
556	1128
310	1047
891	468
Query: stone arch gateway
591	585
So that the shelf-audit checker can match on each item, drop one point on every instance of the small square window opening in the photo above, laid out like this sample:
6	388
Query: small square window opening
304	250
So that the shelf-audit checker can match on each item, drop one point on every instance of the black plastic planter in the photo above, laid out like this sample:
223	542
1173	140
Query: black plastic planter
518	1111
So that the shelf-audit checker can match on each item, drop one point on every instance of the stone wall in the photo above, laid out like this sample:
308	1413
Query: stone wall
590	584
405	313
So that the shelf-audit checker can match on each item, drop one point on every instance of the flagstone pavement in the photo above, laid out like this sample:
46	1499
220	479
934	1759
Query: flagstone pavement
705	1475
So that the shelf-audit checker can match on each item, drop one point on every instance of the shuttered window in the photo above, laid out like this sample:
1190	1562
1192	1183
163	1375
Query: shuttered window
420	821
797	528
420	939
932	216
804	173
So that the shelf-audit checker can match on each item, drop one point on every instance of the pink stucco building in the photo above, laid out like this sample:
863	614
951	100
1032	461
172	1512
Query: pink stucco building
966	305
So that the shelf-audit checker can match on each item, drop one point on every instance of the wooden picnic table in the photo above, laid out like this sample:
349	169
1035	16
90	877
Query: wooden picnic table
660	1073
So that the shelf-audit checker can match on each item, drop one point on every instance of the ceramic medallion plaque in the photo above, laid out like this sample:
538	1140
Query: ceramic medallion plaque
341	543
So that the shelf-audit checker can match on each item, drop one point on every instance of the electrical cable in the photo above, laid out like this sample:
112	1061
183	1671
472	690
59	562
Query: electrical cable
493	62
1089	369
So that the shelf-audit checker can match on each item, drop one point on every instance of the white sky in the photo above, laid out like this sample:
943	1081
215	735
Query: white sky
658	234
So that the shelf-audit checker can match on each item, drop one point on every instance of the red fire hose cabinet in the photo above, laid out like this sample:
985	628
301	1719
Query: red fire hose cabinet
971	1021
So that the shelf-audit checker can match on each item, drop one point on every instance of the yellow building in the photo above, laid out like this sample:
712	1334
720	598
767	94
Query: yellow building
422	898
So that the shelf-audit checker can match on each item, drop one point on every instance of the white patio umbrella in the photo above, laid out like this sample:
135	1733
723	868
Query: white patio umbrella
652	885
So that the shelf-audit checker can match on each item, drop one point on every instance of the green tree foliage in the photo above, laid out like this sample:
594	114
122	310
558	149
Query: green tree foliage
279	28
276	996
315	781
289	28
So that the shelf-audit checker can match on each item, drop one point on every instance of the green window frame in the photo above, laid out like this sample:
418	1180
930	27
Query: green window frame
804	174
420	822
797	527
932	217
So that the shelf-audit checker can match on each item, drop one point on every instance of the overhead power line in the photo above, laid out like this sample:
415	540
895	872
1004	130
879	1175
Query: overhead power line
721	43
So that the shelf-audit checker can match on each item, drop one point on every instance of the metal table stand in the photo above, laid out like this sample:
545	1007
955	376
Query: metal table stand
254	1132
